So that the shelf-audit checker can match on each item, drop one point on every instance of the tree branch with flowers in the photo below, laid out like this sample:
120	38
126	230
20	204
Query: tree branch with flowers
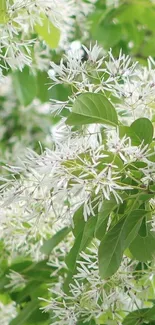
78	163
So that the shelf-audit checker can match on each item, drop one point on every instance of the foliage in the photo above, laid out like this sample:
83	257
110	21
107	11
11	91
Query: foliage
77	182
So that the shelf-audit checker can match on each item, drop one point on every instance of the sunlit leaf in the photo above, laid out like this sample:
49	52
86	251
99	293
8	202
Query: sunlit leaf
49	244
3	12
116	240
92	108
48	32
26	313
25	86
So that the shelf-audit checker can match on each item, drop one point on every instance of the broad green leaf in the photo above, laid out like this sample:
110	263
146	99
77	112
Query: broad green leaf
68	280
88	232
48	32
3	12
30	270
49	244
116	241
107	208
39	272
73	253
136	317
26	313
38	317
92	108
81	242
26	292
78	221
77	119
125	130
140	130
42	86
44	274
58	92
143	131
143	230
20	266
25	86
143	247
150	314
145	197
3	282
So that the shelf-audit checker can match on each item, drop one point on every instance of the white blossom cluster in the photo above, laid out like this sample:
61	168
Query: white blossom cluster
24	229
16	281
105	301
7	312
132	86
18	19
52	186
84	166
45	190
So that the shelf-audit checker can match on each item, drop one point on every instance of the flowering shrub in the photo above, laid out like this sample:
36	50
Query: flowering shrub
78	206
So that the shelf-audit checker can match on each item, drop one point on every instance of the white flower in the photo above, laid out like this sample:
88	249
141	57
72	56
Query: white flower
117	145
7	312
60	131
15	56
73	70
94	54
90	297
122	66
16	281
20	20
114	3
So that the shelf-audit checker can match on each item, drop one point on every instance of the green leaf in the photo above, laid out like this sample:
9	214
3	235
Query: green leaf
78	221
42	86
77	119
145	197
3	282
20	267
26	313
25	86
81	242
116	241
140	316
143	247
73	253
26	292
68	280
143	131
44	274
107	208
49	244
150	315
48	32
140	130
88	232
107	34
3	12
135	317
125	130
92	108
